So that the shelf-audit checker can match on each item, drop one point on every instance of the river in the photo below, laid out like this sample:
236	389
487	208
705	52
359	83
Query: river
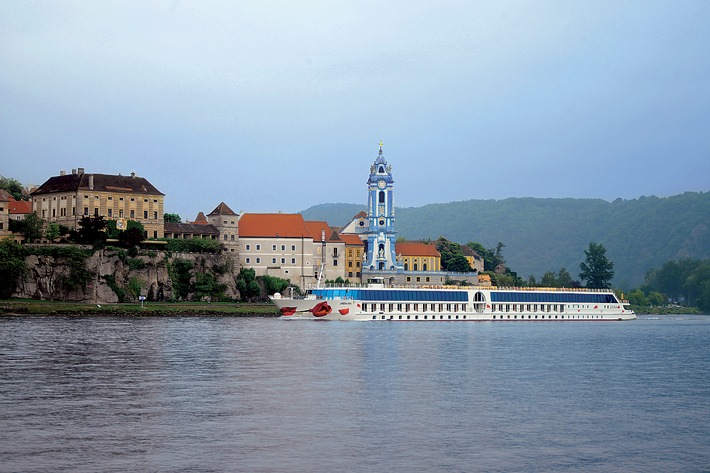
217	394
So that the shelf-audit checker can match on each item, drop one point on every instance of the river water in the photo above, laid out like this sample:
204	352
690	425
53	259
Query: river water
209	394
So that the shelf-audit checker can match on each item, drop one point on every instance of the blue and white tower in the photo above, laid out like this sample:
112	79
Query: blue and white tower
381	237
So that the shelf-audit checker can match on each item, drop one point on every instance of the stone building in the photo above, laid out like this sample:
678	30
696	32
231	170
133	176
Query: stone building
65	198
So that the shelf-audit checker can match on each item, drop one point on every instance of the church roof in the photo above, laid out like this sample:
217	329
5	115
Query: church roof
273	225
101	182
222	209
416	248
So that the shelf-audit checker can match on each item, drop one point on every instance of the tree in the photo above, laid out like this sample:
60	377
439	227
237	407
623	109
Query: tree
13	186
597	269
564	279
32	227
52	232
171	218
452	258
12	266
92	230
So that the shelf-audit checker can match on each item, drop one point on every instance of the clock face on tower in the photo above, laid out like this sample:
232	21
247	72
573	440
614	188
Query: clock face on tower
381	184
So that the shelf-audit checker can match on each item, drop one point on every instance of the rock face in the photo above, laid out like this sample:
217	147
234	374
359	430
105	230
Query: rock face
111	276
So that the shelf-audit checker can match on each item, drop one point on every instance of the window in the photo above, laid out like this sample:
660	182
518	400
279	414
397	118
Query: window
132	199
145	214
120	213
110	197
248	247
247	260
110	212
155	215
293	247
86	211
225	237
273	260
232	237
382	197
283	260
96	212
133	213
258	260
335	262
293	260
273	247
145	200
258	247
120	198
283	248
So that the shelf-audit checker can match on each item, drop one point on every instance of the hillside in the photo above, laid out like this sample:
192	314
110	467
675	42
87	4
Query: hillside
547	234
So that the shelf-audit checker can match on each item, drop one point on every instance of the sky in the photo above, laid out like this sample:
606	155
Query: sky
280	105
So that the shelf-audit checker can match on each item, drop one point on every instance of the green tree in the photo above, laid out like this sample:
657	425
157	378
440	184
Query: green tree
12	266
656	298
549	279
597	269
246	284
52	232
452	258
171	218
32	227
564	279
13	186
638	298
92	231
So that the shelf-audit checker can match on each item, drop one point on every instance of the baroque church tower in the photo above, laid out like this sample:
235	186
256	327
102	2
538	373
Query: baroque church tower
381	237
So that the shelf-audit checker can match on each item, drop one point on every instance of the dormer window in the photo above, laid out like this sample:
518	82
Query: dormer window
382	170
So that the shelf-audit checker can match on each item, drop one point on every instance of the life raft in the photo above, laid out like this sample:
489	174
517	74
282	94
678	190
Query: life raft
288	310
344	311
321	309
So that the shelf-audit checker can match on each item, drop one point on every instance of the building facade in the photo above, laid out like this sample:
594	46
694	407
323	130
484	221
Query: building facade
65	198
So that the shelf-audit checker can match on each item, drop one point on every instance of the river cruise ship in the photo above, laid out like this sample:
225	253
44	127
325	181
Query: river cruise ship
453	303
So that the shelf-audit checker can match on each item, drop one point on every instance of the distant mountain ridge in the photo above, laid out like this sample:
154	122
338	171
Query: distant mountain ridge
548	234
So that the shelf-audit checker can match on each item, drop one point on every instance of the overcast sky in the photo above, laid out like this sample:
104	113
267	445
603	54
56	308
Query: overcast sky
280	105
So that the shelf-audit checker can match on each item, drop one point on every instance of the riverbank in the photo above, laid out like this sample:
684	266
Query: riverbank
14	307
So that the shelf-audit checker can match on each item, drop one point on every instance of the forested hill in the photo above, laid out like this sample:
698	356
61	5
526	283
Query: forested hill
548	234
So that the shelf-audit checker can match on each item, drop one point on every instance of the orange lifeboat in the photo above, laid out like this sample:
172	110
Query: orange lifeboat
321	309
344	311
288	310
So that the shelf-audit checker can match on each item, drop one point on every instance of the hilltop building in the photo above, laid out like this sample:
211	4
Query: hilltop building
65	198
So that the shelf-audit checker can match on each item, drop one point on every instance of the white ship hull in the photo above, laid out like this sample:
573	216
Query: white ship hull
440	304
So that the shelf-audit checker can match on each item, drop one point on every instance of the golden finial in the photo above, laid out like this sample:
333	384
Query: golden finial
380	145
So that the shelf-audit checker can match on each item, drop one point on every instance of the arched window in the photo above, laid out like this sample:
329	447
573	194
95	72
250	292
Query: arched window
382	197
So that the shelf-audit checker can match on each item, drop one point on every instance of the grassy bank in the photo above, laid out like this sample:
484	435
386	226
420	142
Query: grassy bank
159	309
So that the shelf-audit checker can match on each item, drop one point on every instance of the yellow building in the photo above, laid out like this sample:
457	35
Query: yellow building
64	199
418	256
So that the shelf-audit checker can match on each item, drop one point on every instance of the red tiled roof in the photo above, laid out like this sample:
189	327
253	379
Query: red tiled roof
316	228
351	239
273	225
362	214
5	196
415	248
19	207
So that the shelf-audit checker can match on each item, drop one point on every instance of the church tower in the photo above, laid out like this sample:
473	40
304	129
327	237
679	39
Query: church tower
381	237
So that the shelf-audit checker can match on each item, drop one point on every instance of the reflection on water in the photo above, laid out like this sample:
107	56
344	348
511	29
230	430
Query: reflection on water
232	394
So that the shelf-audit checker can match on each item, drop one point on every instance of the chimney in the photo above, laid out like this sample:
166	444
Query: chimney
73	171
133	174
81	170
91	181
62	173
